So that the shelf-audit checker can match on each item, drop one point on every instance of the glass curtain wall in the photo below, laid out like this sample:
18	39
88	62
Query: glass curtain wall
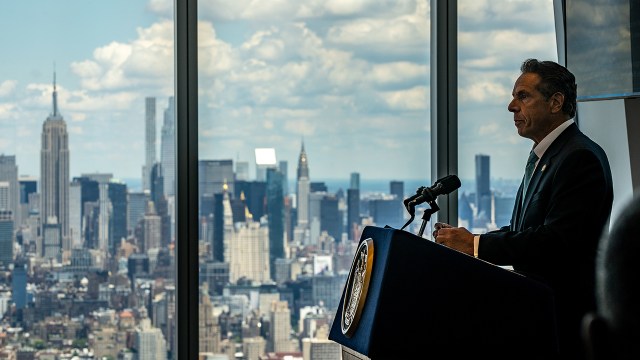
87	169
313	123
494	38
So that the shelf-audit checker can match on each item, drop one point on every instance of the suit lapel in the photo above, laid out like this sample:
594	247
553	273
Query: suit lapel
542	169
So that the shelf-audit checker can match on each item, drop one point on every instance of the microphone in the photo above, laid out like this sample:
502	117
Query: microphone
442	186
414	196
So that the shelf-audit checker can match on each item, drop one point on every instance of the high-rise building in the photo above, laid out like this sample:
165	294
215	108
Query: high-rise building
209	329
397	188
168	149
6	238
321	349
4	195
104	208
19	284
331	216
137	205
150	140
483	186
248	248
255	194
353	213
152	227
118	217
355	181
275	214
28	189
150	342
9	174
283	167
75	214
253	347
303	190
54	174
280	316
213	175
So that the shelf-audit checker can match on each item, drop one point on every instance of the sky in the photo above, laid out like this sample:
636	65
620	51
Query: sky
348	78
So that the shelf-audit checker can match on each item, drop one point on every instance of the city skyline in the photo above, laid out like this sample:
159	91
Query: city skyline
105	75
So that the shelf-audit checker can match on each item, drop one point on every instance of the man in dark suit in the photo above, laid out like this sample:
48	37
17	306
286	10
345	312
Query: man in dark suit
562	206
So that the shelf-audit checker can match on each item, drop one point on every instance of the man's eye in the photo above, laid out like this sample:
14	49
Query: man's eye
522	96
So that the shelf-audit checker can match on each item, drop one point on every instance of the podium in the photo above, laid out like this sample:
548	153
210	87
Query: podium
407	297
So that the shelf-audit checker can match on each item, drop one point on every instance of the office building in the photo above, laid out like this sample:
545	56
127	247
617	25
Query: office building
150	342
9	174
6	238
483	187
213	175
168	149
137	205
19	284
117	194
275	215
149	141
280	320
54	176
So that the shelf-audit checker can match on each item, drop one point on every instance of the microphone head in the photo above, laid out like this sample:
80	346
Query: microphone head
447	184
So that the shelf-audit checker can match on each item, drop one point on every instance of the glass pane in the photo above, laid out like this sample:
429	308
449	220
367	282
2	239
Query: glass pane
494	37
313	122
86	180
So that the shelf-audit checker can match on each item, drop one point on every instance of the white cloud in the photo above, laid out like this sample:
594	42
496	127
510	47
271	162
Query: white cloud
7	87
7	110
416	98
398	72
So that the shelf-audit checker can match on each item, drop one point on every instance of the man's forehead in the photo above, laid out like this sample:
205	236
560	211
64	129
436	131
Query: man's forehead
526	82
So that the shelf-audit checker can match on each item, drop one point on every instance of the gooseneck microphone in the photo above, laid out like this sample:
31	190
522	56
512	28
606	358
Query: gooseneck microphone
442	186
429	194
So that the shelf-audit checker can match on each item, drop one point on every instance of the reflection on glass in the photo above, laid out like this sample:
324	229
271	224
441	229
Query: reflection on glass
610	27
314	122
86	181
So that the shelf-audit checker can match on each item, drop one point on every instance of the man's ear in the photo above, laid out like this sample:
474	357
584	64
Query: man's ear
596	337
556	101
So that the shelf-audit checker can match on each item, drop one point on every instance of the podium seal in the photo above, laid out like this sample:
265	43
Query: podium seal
356	287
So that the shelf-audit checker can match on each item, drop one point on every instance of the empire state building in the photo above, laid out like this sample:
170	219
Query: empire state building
54	180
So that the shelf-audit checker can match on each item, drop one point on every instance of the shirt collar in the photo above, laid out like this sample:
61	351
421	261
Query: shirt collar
544	144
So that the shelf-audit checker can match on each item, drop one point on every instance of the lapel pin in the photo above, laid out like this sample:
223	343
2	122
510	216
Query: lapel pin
543	167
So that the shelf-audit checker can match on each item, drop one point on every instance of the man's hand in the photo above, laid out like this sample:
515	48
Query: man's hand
456	238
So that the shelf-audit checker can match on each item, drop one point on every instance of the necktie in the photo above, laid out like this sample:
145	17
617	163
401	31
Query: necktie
528	171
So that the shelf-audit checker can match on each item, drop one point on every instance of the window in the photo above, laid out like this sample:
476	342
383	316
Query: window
313	123
493	40
86	190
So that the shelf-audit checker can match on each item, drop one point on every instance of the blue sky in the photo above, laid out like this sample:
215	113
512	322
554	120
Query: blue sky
351	78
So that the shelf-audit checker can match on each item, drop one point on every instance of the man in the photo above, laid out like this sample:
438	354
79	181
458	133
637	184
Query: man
613	332
560	212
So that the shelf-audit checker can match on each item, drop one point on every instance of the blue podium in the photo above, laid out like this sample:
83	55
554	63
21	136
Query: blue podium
407	297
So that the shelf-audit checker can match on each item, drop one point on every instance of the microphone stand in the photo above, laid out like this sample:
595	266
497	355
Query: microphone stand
427	215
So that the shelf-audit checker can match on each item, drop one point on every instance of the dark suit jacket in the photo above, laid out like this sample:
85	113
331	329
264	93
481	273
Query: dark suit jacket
554	233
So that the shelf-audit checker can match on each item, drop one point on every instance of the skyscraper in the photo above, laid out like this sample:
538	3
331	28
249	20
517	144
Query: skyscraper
213	175
303	189
6	238
168	149
54	173
9	173
118	219
150	141
280	316
483	190
275	214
